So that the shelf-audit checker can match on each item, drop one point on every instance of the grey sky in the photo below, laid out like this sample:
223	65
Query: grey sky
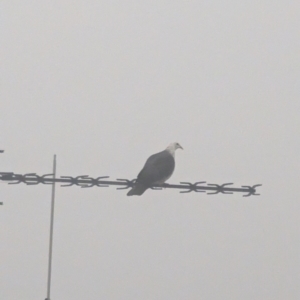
105	84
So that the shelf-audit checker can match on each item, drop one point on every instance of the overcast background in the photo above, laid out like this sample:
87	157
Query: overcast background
105	84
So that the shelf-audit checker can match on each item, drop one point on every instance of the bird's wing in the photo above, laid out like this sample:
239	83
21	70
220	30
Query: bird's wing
158	167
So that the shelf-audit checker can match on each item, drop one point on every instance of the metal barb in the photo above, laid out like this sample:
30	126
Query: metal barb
94	182
44	178
72	180
128	183
6	175
193	187
220	188
82	177
252	190
18	178
36	179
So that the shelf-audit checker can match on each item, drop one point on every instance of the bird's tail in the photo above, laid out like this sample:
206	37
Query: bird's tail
138	189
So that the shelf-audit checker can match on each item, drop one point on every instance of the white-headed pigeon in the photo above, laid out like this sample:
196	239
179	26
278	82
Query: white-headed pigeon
158	169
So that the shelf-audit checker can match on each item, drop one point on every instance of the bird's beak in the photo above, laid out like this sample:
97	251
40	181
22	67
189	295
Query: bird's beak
180	147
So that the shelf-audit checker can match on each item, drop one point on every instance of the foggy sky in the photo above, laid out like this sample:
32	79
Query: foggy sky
105	84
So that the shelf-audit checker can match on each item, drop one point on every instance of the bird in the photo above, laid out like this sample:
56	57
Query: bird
158	169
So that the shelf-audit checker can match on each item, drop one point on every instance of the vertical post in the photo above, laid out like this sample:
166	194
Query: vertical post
1	151
51	229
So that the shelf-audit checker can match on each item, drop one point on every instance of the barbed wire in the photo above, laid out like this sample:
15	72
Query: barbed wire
86	181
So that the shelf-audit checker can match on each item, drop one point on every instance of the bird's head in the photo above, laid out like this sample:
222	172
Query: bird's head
173	146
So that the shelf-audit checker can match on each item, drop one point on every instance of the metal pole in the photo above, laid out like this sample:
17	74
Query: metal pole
1	151
51	230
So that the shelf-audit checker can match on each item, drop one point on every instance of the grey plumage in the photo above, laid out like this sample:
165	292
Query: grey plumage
158	168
